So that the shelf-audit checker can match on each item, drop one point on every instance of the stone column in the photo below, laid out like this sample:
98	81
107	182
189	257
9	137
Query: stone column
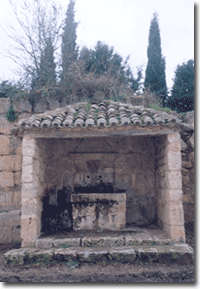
173	217
31	205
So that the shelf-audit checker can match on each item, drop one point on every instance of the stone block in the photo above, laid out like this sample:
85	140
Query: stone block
4	104
6	179
65	254
173	138
123	255
30	206
183	145
29	190
173	160
111	211
44	243
29	146
2	200
6	235
17	199
4	145
7	163
176	233
27	161
187	199
9	199
30	230
93	255
191	158
27	174
17	178
15	257
173	195
190	142
35	256
5	125
103	241
16	234
22	105
187	165
67	242
18	162
174	214
10	219
174	179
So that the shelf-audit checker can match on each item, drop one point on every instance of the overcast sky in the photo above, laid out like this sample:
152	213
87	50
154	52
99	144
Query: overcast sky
124	24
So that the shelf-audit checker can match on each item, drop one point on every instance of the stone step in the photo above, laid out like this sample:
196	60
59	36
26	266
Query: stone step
179	253
101	241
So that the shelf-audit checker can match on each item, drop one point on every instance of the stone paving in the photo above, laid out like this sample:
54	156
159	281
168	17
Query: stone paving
141	246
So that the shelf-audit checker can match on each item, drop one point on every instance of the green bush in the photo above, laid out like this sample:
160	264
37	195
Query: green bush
11	114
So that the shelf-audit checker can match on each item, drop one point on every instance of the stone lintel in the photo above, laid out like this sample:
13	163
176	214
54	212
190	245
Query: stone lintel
77	132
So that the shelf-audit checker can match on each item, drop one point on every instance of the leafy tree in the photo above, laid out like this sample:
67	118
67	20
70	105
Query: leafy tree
102	60
69	47
182	94
37	21
155	78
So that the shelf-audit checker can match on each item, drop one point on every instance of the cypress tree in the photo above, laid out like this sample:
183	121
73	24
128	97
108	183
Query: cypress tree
155	78
47	65
69	47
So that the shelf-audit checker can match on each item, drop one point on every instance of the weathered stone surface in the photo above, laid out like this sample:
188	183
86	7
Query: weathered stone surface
187	165
174	179
142	238
122	255
10	219
176	233
183	145
30	230
27	174
6	179
44	243
4	145
7	163
65	254
17	178
92	255
6	235
190	142
111	211
29	190
174	160
4	104
29	146
103	241
67	242
18	162
15	257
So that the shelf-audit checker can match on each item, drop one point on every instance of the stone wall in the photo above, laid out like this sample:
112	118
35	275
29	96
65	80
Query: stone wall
11	168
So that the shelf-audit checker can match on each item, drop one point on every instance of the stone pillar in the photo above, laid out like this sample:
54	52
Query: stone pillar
31	205
173	217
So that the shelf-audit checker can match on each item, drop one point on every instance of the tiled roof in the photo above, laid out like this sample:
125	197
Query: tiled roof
103	114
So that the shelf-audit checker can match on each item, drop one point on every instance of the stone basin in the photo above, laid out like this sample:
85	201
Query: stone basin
99	211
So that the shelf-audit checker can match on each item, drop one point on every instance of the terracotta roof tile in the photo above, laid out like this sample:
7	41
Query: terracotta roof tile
106	113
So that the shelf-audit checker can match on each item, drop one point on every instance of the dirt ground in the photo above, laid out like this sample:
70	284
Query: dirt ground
110	273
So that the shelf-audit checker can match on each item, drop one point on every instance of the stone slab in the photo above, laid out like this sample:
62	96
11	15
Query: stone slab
92	255
122	255
172	254
102	241
65	254
67	242
99	211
